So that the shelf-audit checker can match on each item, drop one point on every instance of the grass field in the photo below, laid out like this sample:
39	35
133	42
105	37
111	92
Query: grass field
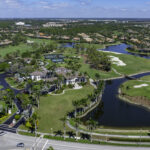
134	64
23	47
128	88
53	108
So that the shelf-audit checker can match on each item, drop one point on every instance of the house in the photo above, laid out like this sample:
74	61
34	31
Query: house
38	75
70	80
76	39
62	71
5	42
53	24
75	79
65	37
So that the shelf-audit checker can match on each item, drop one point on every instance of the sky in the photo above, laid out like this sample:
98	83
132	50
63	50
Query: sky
74	8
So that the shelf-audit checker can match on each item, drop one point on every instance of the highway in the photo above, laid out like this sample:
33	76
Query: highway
9	141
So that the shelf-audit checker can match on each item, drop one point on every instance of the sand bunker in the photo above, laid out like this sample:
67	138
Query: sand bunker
117	61
109	52
141	85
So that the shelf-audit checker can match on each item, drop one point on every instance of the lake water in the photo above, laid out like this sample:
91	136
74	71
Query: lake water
121	48
114	112
118	113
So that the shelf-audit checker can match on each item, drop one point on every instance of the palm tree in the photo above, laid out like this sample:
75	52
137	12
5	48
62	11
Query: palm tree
64	120
97	76
76	105
37	92
77	122
91	125
83	102
11	96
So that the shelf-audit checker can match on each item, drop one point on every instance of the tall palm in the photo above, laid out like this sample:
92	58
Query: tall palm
91	125
37	92
11	96
64	120
76	105
77	122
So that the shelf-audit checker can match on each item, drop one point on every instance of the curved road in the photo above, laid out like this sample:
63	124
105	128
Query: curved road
10	140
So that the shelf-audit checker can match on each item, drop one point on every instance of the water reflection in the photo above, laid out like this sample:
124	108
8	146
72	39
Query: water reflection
117	113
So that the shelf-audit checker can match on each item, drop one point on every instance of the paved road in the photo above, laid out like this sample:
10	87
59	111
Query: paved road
10	140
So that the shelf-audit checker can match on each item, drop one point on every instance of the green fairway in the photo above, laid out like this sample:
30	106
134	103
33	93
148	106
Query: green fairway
128	88
91	71
53	108
134	65
23	47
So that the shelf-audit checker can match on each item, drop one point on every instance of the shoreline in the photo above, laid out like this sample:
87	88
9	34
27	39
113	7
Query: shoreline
138	53
146	107
130	75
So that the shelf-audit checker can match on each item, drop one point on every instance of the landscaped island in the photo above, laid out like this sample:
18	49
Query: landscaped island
136	91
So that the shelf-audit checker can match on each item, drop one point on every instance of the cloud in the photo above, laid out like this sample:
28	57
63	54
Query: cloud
70	8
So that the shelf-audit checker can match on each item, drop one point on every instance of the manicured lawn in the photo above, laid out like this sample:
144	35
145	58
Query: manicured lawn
8	49
134	64
53	108
128	88
91	71
22	47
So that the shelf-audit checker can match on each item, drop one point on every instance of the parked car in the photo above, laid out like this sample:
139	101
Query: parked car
2	133
20	145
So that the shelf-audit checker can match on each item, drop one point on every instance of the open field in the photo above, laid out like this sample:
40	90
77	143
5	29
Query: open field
53	108
22	47
134	64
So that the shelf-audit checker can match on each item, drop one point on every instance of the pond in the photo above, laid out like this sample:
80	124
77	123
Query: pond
121	48
118	113
115	112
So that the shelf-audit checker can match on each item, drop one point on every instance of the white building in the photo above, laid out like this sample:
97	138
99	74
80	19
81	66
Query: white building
20	23
53	24
38	75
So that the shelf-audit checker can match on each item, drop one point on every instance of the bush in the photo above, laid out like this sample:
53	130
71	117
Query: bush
70	86
17	117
